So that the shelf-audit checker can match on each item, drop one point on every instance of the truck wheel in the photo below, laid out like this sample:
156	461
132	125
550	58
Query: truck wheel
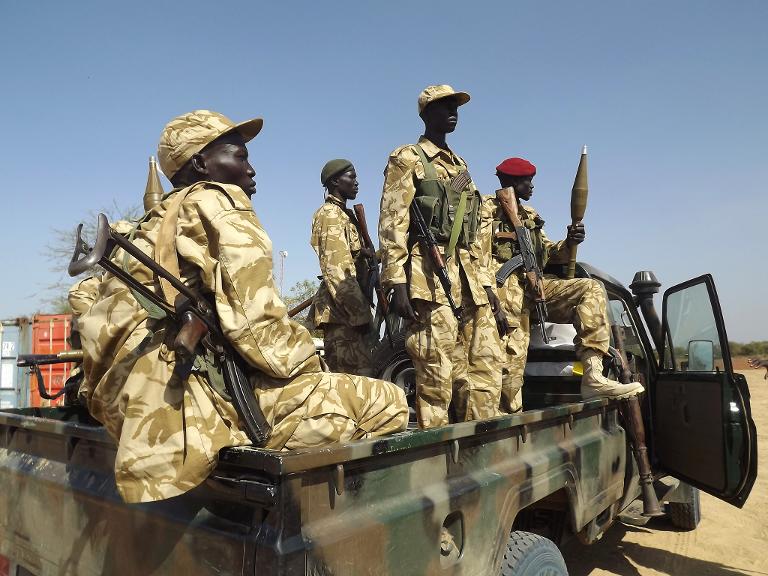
532	555
393	364
686	515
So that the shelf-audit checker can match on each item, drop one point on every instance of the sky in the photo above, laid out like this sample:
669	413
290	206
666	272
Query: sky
670	97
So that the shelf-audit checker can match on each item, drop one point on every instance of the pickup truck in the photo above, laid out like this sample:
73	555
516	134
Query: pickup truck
477	498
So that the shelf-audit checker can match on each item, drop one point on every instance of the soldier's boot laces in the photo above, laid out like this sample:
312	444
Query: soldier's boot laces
595	385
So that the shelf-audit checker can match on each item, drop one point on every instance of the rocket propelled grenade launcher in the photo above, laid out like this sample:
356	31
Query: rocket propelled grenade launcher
191	312
579	194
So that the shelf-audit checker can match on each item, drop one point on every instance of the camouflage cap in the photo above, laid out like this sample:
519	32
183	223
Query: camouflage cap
432	93
189	133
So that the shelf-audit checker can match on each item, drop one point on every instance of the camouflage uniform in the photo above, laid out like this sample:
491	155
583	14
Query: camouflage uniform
580	302
449	361
340	308
170	426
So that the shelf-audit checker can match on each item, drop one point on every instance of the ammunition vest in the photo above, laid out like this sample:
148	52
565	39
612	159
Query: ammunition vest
503	250
438	203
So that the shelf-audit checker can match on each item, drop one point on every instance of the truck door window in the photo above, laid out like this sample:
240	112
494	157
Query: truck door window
693	342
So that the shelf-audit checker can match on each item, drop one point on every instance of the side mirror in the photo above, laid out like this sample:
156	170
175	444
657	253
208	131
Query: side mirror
701	356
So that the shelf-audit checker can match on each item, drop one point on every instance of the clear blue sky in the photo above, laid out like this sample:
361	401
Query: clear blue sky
670	97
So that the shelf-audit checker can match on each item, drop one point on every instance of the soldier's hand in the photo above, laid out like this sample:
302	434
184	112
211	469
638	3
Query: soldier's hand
502	325
576	234
401	303
368	252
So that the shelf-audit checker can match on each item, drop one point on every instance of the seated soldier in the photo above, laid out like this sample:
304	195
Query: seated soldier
169	425
580	301
340	308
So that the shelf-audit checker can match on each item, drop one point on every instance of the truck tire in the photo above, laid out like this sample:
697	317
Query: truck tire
686	515
393	364
532	555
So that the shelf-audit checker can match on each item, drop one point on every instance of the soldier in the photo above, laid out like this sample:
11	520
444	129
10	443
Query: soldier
170	425
579	301
449	359
340	307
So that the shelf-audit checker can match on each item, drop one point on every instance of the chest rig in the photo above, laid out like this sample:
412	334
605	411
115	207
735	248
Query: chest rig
504	248
440	204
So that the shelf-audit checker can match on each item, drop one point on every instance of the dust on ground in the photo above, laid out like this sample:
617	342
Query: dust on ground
727	542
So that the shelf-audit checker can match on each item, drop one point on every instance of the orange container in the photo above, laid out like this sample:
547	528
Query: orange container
50	335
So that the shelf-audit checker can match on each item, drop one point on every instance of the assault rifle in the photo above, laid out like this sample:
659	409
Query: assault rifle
430	244
191	312
34	361
526	258
374	281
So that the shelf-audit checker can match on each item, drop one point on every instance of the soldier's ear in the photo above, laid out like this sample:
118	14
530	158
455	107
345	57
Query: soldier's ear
198	163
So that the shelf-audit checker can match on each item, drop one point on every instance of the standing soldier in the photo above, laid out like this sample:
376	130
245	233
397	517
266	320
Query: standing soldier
451	359
579	301
340	306
170	422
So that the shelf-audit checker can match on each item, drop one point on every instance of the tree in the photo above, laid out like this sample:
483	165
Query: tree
59	252
298	293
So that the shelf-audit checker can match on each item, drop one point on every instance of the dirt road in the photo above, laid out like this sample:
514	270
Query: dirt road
728	541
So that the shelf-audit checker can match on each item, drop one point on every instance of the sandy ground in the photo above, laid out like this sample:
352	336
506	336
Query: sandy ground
728	541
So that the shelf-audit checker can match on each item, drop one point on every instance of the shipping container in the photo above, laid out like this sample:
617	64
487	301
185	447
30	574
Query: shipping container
50	335
14	340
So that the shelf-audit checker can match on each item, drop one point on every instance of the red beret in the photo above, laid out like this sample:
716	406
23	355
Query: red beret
516	167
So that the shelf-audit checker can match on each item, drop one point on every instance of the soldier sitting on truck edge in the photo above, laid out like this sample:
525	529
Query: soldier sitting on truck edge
169	425
340	307
580	301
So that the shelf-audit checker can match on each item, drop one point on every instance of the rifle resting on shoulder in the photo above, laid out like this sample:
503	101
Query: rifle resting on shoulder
526	258
374	280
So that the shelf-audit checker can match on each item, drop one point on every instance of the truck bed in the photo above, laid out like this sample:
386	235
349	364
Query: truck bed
368	507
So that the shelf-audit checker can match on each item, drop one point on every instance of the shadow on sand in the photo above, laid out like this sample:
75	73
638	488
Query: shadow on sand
616	556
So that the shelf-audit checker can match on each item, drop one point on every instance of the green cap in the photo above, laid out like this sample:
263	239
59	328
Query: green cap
333	167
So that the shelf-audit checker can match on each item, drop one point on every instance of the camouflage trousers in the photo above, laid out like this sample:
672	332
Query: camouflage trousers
454	363
580	302
340	408
347	350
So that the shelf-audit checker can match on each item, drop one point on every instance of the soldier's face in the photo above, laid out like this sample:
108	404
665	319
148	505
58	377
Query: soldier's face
442	115
524	188
523	185
346	185
226	160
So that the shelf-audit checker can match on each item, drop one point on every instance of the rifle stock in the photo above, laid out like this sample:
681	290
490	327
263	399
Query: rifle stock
299	308
191	312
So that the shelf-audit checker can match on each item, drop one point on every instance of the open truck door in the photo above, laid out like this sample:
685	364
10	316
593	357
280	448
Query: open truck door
702	422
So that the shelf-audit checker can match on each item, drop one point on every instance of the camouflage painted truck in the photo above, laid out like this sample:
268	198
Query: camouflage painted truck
478	498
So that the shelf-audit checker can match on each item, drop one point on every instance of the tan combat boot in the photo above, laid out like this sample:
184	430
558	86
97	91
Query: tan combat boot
595	385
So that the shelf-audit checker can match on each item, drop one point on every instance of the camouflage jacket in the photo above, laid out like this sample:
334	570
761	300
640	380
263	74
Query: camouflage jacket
170	426
336	242
495	252
404	259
